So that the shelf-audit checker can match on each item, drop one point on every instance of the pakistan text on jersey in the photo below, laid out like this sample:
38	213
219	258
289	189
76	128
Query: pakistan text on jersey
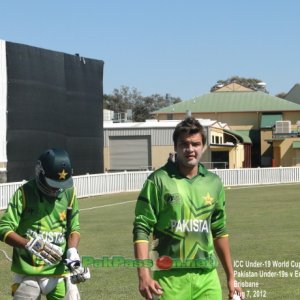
194	225
57	238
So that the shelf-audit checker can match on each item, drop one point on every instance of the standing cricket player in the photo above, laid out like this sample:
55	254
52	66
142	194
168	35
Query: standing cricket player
183	204
41	224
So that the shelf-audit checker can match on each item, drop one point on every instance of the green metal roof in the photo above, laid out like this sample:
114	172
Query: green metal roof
268	121
296	145
232	102
244	135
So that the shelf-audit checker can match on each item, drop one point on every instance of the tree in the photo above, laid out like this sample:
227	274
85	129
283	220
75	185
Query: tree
146	105
252	83
121	99
125	98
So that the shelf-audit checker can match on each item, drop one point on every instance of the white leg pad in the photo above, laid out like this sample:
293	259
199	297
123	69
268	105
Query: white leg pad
28	290
72	290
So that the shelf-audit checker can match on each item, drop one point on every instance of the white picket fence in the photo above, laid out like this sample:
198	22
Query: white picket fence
106	183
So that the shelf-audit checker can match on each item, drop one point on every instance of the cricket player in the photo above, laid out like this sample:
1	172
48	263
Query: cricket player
41	223
183	205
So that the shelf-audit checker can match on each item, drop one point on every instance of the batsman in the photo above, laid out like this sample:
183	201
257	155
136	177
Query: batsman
41	223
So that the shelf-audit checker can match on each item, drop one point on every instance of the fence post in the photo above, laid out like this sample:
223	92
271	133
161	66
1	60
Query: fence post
88	184
259	175
280	174
125	180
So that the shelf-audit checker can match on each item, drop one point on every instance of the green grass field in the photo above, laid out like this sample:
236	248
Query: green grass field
264	229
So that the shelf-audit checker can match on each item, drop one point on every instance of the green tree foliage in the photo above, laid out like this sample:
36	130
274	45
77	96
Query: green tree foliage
252	83
121	99
124	99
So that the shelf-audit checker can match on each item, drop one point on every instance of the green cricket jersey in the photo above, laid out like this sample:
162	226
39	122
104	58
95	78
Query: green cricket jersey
183	214
29	212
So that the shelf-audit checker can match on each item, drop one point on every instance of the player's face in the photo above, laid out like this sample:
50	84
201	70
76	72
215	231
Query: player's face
46	189
189	150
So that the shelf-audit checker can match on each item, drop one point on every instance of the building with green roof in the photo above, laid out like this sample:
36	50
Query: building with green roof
249	113
294	94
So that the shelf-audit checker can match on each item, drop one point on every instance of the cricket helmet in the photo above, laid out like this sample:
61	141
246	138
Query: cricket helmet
53	172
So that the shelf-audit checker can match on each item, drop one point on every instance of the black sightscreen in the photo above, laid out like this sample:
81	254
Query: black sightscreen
54	100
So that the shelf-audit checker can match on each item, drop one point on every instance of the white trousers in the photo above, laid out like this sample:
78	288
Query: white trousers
32	287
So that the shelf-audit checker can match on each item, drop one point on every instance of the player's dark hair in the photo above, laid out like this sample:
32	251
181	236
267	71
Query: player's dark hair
188	126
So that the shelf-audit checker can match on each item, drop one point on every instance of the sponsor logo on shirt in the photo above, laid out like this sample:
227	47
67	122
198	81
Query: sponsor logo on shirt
194	225
173	199
57	238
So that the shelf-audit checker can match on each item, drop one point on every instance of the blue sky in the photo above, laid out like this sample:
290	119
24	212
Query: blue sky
163	46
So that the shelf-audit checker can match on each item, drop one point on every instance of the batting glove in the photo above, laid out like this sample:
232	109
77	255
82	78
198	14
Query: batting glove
73	260
78	273
51	254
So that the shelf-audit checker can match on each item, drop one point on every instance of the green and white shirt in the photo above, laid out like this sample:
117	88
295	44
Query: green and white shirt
185	215
31	212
